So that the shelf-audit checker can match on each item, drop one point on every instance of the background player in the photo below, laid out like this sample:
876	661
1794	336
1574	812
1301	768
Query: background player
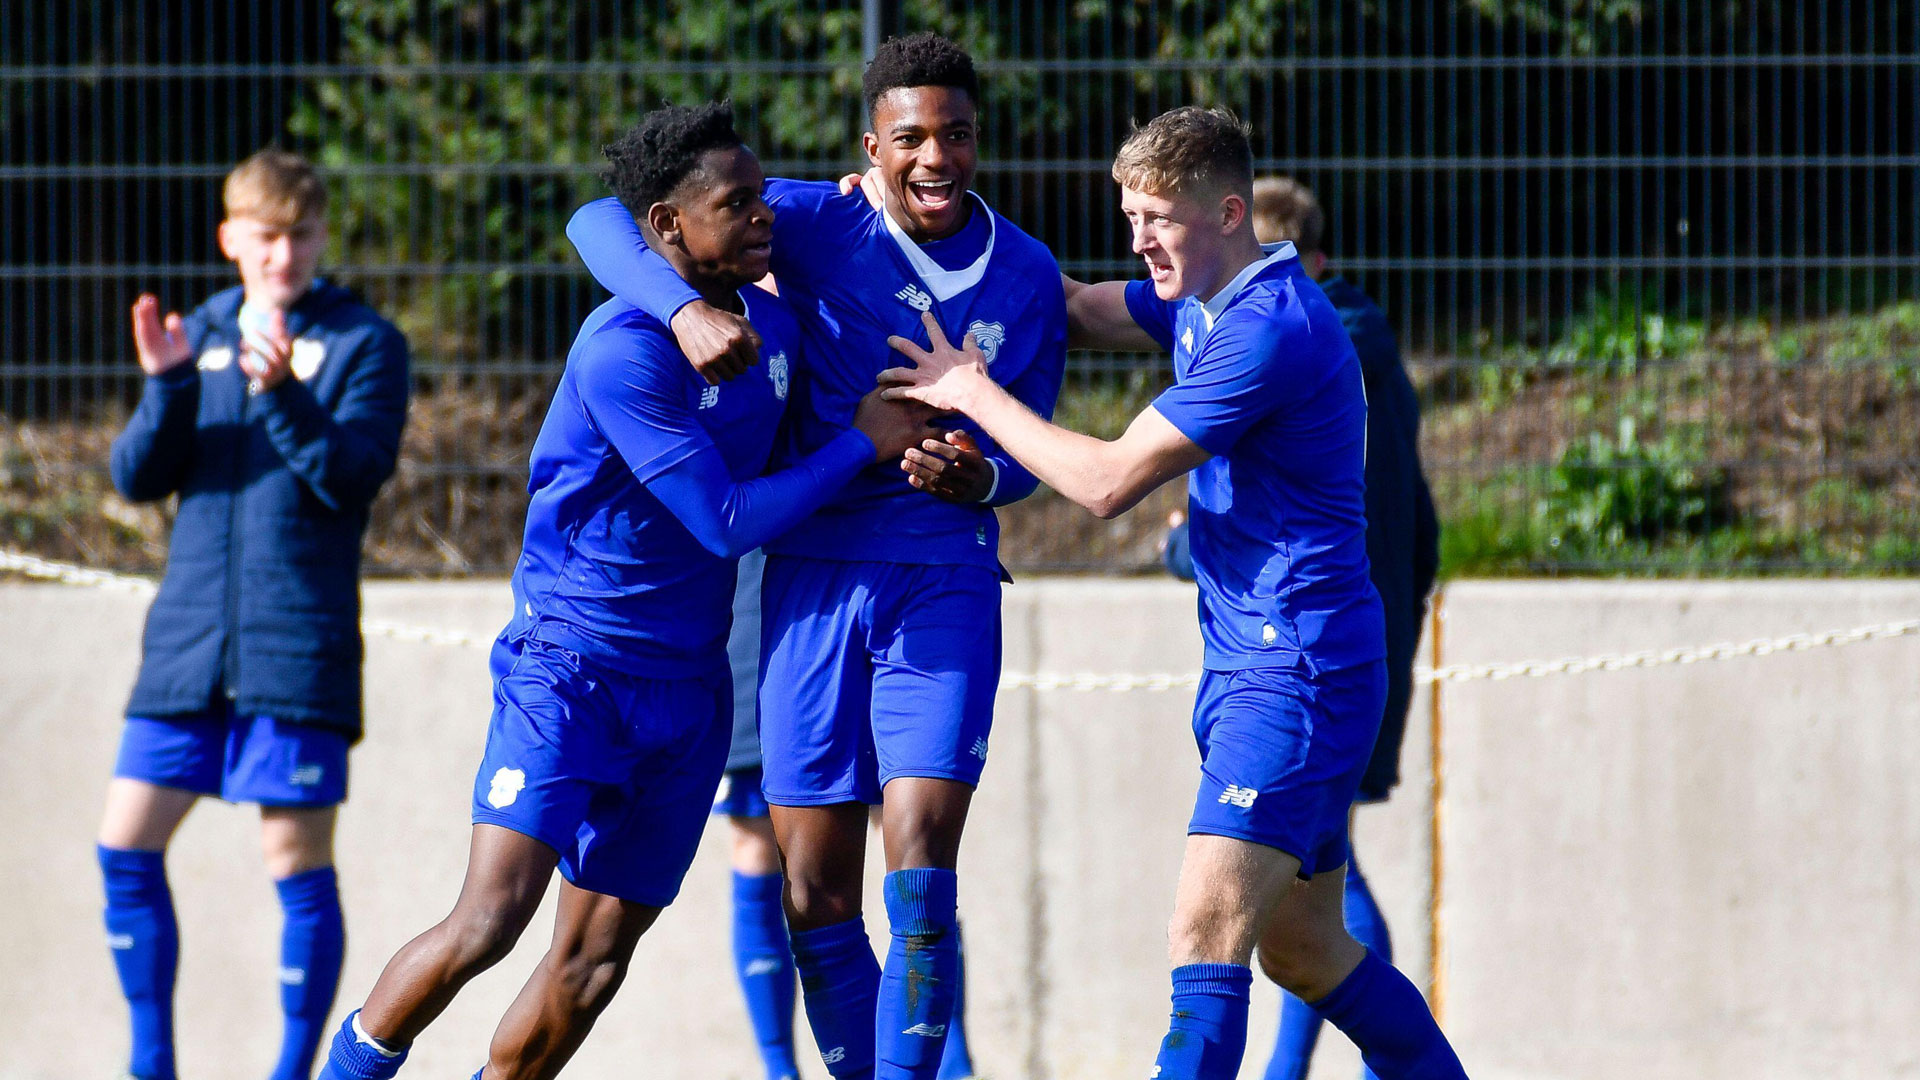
1267	411
1403	550
610	725
276	441
882	647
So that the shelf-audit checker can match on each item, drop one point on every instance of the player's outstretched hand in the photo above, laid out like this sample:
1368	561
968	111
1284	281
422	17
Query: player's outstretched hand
894	426
941	376
720	345
952	468
160	345
869	185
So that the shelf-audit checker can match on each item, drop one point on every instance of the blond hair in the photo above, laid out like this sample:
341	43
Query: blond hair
1286	209
1187	150
275	187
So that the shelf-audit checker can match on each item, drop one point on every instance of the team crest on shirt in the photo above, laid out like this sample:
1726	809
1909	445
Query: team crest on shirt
915	297
988	335
507	786
218	359
777	374
306	358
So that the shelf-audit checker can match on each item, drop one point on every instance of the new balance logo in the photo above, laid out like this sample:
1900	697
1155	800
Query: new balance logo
765	965
1241	797
980	749
930	1031
914	297
119	941
307	775
1186	340
292	976
709	397
834	1056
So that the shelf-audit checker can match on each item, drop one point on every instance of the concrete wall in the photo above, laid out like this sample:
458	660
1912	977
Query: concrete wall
1699	871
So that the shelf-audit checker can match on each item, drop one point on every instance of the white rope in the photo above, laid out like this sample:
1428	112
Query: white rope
1151	682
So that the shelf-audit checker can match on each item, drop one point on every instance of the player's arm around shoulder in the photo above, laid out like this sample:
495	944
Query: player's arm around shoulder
1098	317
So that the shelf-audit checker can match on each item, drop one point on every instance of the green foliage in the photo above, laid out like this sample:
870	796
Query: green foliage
1604	492
1618	330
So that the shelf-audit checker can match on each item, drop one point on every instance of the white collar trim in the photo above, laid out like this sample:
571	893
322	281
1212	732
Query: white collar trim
1275	253
944	284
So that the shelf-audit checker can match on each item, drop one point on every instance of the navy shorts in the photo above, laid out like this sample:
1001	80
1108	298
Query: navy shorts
871	671
1281	756
239	758
611	770
740	794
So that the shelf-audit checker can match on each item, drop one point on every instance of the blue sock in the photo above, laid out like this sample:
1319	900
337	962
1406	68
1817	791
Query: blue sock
313	941
763	960
351	1059
916	989
1299	1024
145	941
1389	1021
839	982
1207	1034
956	1063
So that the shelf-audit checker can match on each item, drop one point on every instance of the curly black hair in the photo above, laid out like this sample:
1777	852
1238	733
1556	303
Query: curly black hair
923	59
663	149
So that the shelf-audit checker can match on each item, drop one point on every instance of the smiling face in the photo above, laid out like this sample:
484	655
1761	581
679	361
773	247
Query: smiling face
924	142
716	226
1188	242
276	261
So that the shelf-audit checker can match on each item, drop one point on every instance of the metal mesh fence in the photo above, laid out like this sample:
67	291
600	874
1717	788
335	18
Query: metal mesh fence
1653	264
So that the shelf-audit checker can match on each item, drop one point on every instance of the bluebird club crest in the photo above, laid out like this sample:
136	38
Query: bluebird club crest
777	374
988	335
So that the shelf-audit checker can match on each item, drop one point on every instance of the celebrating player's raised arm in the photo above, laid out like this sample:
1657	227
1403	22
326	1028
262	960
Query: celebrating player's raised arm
1105	477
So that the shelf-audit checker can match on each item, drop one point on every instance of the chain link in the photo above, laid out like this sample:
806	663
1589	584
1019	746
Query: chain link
1151	682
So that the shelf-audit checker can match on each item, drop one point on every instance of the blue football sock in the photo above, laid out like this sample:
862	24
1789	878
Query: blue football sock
1207	1034
916	989
1299	1023
839	982
349	1058
145	941
313	941
763	960
956	1063
1388	1020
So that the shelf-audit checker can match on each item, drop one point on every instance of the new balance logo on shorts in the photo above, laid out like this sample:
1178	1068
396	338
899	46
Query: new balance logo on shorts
914	297
834	1056
1241	797
980	749
307	775
930	1031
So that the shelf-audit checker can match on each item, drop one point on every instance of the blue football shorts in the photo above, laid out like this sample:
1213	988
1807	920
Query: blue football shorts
1281	756
740	794
871	671
239	758
613	771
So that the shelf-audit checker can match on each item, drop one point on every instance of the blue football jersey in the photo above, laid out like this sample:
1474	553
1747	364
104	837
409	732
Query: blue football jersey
852	278
1266	381
606	568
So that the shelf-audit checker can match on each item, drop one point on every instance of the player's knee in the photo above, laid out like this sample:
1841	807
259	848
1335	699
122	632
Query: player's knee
589	979
480	935
814	902
1299	962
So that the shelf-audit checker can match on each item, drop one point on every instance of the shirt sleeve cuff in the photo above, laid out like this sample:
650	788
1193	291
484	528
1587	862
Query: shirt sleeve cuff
993	488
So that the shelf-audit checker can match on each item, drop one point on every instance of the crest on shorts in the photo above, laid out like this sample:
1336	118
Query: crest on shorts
777	373
989	336
507	786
